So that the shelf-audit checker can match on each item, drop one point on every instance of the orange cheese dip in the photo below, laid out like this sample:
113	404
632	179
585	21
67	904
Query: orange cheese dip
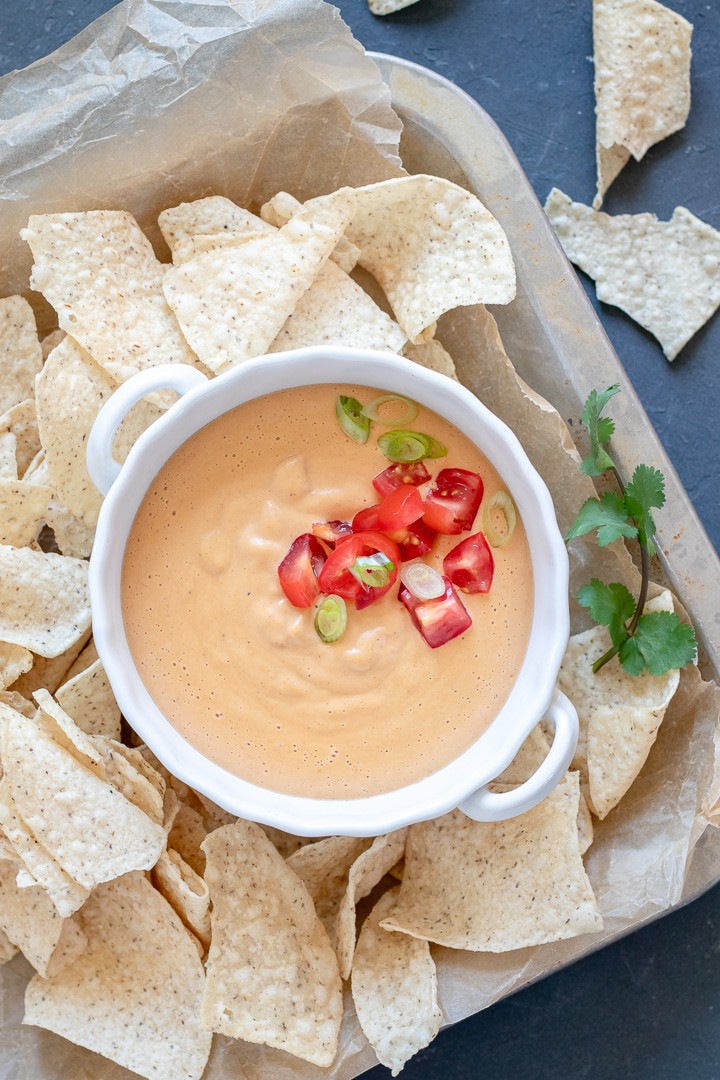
242	674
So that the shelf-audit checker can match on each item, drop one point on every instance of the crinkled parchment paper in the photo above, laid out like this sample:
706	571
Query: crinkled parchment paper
164	100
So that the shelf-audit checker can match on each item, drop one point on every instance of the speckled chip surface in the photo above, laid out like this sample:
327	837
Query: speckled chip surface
663	274
642	81
44	601
272	975
394	988
20	353
134	994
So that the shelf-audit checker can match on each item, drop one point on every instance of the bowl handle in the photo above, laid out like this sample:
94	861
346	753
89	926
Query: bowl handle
486	805
102	466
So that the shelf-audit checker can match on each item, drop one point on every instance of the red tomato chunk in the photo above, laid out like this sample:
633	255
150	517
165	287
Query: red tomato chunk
397	475
336	577
470	564
332	532
300	569
439	620
400	508
451	505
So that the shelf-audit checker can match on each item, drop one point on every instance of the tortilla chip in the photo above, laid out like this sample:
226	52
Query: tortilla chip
134	994
99	272
394	988
44	602
272	975
72	536
20	354
286	843
323	867
70	393
642	81
586	832
18	703
494	887
432	246
366	872
231	303
278	211
186	836
85	659
14	662
7	949
8	456
336	311
131	775
663	274
619	714
21	420
89	700
89	828
205	224
431	354
29	919
49	674
388	7
49	342
186	892
22	511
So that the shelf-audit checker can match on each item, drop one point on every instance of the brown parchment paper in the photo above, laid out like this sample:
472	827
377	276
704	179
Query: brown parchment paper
163	100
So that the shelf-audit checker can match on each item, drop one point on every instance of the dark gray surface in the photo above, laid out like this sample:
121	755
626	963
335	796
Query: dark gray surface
648	1007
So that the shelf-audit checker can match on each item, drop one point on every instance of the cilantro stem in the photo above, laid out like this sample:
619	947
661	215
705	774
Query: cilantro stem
642	598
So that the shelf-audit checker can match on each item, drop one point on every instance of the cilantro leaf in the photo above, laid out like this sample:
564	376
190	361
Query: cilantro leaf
608	515
609	605
645	490
599	429
661	641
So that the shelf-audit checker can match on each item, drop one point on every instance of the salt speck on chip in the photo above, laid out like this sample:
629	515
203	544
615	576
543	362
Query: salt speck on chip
394	988
272	974
231	302
498	886
642	81
663	274
134	995
99	272
619	714
20	353
44	601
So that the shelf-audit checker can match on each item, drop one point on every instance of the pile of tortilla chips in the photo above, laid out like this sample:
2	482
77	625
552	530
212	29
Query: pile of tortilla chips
152	917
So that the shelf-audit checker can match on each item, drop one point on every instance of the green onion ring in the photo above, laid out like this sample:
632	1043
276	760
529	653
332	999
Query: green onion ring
331	618
406	447
371	410
373	571
350	417
503	502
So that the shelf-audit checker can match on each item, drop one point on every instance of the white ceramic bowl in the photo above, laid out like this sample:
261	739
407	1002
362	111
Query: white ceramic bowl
464	781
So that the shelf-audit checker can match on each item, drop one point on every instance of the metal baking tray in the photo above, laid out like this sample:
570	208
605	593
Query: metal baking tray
559	347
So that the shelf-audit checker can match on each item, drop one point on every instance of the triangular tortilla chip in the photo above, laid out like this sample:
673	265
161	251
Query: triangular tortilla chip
30	920
324	867
23	509
186	892
89	700
193	227
99	272
663	274
498	886
619	713
44	602
14	662
394	988
642	81
20	353
48	674
278	211
134	994
272	975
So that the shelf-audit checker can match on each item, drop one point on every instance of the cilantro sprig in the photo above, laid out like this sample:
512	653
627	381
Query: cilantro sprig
656	641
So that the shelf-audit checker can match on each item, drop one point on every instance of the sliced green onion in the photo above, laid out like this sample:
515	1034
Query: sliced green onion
408	446
373	570
331	618
422	581
500	501
371	410
350	417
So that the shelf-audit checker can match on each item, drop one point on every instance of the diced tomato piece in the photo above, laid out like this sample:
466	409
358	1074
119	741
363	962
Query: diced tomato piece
400	508
300	569
413	541
413	473
366	597
332	532
336	577
366	520
439	620
451	505
470	564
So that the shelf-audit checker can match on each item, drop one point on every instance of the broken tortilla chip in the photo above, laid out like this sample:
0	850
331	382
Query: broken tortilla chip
494	887
232	302
642	81
99	272
30	920
134	994
664	274
44	602
619	714
20	353
89	700
272	975
394	988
